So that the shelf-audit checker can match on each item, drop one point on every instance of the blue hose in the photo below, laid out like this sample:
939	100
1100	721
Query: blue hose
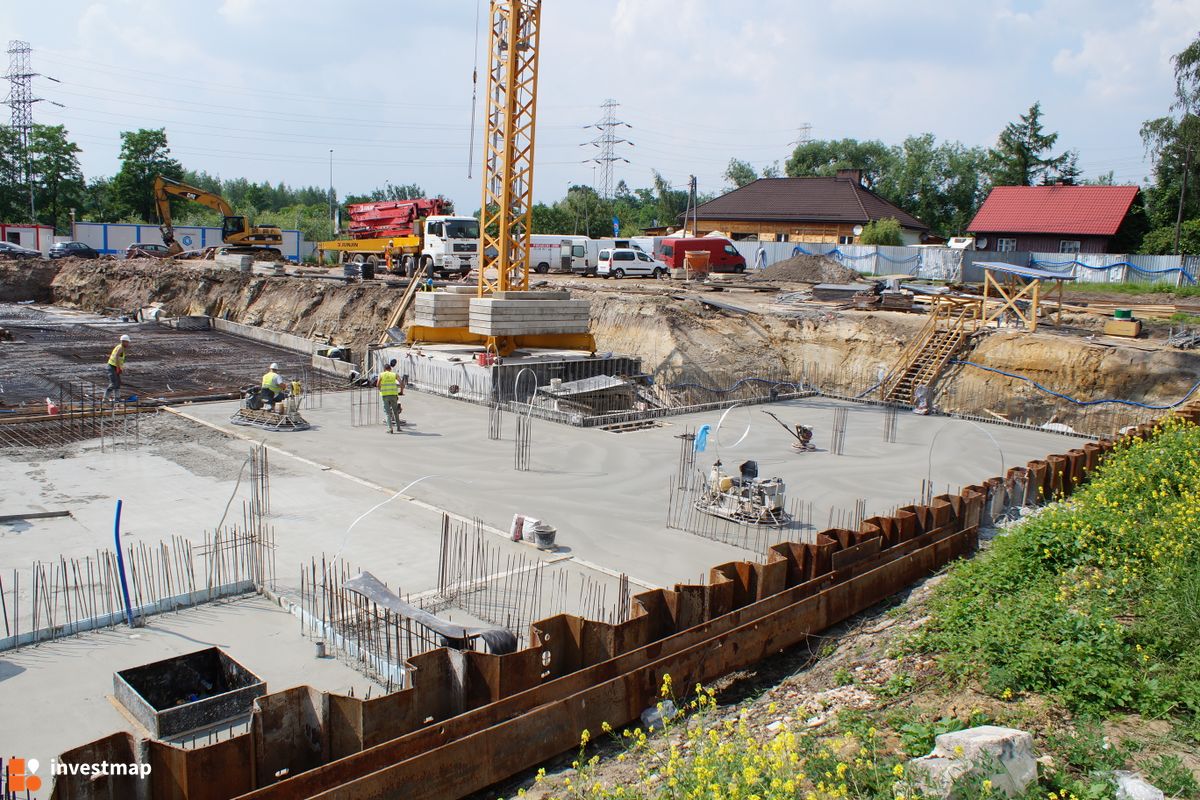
1069	399
121	565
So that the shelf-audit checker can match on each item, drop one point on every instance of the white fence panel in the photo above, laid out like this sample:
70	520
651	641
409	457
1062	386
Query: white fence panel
945	264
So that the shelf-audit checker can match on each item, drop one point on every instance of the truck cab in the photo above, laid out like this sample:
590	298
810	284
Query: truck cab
451	245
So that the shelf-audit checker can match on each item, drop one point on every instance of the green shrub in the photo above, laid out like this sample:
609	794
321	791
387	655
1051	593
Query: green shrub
1096	600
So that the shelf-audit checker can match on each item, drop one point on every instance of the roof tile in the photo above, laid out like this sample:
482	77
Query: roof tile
1083	210
814	199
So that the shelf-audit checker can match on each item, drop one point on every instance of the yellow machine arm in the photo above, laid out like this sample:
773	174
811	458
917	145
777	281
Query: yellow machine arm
234	230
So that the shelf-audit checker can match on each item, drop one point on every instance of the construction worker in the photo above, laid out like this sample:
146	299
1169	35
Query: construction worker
387	254
389	393
272	383
804	435
116	365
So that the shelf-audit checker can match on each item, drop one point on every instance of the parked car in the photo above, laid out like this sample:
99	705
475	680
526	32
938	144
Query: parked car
621	261
722	255
11	250
76	249
144	249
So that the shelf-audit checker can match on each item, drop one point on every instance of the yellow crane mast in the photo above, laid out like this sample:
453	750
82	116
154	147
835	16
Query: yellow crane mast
514	29
509	128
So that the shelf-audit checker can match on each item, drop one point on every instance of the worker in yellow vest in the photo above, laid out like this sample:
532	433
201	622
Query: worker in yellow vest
271	382
116	365
389	393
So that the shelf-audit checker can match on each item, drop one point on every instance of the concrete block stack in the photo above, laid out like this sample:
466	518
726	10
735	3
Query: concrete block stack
517	313
441	309
240	263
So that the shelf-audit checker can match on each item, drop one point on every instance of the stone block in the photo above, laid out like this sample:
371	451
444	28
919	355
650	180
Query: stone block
488	305
442	300
237	262
561	294
518	328
1002	755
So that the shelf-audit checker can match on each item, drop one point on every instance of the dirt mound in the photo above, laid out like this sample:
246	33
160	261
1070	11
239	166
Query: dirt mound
807	269
26	279
351	314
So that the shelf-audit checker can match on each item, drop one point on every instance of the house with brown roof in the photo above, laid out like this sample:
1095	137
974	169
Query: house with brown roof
817	209
1052	219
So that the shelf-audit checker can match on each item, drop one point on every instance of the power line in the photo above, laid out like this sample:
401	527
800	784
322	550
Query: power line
607	142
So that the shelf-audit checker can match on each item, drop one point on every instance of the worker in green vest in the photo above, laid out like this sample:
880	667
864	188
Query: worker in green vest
116	365
389	393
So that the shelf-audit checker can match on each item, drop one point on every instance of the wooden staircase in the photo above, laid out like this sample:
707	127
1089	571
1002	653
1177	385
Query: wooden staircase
923	361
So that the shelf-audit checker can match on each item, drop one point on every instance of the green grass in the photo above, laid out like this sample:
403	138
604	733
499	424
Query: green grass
1186	319
1135	289
1094	602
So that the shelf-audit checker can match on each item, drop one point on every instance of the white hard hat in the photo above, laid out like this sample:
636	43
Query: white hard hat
274	365
124	337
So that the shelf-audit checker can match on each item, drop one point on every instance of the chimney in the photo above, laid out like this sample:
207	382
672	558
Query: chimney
854	175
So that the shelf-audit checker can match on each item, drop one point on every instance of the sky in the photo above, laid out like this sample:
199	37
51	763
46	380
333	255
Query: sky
264	89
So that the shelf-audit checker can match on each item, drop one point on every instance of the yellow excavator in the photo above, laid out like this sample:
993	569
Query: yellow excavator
239	237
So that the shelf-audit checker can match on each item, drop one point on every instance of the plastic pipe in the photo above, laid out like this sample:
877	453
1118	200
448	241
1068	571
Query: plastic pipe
121	566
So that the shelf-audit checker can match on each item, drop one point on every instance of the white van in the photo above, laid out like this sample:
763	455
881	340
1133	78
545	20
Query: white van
595	246
549	253
618	262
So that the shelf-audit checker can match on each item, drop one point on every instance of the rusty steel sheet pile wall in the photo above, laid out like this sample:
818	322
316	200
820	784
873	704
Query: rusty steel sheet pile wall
468	720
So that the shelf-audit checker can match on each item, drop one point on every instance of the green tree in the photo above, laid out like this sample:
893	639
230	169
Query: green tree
14	194
825	158
144	154
1018	158
669	203
739	173
965	187
1161	241
549	219
882	232
942	184
1173	142
57	179
1069	171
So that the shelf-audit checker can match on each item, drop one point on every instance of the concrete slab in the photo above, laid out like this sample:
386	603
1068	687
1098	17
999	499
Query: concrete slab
179	484
60	691
607	493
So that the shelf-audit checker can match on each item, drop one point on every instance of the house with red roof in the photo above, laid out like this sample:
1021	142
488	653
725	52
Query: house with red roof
1052	219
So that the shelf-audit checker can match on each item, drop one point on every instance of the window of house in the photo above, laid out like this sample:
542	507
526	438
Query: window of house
13	237
1006	245
1068	246
845	240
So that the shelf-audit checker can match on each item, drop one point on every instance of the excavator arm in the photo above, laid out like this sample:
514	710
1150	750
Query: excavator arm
165	188
234	229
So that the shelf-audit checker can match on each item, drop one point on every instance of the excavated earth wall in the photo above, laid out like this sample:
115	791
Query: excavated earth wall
674	338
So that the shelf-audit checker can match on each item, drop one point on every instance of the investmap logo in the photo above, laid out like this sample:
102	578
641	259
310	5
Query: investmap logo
21	775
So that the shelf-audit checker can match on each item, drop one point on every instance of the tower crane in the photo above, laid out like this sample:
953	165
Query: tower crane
509	126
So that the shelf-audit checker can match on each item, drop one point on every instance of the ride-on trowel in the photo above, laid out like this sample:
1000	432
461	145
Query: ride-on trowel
748	498
261	408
